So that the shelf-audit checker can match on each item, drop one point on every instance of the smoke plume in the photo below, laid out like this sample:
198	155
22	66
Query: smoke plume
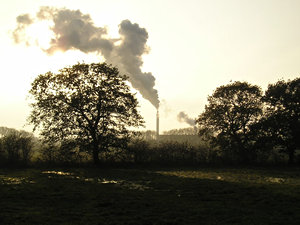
74	30
183	117
165	108
23	21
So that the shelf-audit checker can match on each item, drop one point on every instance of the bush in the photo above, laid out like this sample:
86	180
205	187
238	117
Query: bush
66	152
169	152
16	147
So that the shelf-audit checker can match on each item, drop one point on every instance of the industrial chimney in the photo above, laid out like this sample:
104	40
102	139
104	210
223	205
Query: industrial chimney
157	125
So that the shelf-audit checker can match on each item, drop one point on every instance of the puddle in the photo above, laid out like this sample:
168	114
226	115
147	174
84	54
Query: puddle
277	180
14	180
104	181
120	183
57	173
193	174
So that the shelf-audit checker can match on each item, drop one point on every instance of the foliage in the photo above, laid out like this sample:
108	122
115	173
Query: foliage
280	125
16	145
62	153
227	118
139	148
90	104
149	135
182	131
4	131
168	152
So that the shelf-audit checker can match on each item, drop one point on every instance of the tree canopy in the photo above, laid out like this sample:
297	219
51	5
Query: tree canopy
230	111
90	104
281	122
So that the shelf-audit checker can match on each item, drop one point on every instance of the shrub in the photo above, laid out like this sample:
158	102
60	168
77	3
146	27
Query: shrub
16	146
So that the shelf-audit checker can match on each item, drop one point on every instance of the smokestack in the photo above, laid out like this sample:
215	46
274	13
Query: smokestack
157	125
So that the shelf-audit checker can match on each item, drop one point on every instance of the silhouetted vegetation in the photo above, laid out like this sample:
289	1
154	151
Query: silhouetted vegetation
16	147
182	131
280	125
227	118
85	111
86	106
245	126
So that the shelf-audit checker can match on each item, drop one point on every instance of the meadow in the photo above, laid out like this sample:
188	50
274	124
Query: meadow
150	196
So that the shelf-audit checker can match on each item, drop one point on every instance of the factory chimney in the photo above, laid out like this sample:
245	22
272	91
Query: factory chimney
157	125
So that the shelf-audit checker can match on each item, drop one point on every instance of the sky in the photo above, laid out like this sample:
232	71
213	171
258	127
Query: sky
188	48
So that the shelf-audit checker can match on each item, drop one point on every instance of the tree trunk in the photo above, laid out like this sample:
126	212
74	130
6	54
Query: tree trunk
96	154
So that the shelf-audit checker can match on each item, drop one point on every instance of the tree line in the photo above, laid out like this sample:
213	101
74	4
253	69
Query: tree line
241	122
88	112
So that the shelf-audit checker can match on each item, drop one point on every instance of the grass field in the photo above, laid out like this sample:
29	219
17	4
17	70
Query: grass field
150	196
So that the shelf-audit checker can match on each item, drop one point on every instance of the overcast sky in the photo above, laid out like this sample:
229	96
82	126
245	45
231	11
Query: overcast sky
194	46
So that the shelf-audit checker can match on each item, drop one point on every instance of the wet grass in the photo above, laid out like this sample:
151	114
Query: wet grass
150	196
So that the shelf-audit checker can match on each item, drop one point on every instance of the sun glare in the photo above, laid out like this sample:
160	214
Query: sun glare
40	34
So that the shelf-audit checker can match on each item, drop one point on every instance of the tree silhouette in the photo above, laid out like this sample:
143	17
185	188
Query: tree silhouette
281	122
230	111
17	145
90	104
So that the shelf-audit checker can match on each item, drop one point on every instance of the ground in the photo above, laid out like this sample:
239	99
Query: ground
150	196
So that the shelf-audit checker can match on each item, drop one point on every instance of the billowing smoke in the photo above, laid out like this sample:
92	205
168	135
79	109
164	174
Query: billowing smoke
165	108
23	21
183	117
74	30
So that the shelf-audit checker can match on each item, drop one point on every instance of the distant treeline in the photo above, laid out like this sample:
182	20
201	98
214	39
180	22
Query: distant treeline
22	148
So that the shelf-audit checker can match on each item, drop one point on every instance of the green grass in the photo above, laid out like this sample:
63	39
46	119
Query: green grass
150	196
